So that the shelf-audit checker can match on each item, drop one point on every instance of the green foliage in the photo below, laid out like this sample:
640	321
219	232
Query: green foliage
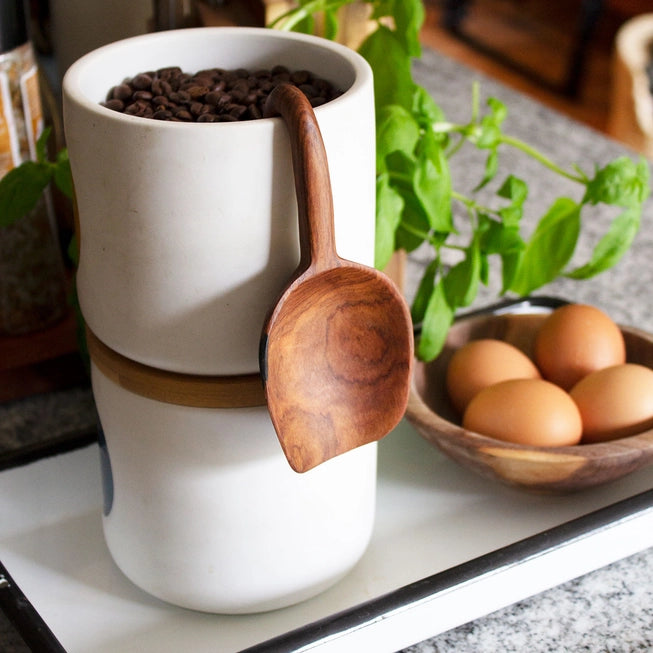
21	187
415	191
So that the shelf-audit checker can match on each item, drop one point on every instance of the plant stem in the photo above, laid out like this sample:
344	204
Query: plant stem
472	205
417	232
538	156
467	132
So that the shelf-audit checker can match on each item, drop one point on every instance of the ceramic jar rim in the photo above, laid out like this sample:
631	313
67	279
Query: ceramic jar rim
76	76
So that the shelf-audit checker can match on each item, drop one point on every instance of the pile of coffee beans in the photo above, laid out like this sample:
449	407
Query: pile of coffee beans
213	95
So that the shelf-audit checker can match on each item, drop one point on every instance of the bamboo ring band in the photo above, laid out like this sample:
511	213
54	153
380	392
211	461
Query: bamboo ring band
199	391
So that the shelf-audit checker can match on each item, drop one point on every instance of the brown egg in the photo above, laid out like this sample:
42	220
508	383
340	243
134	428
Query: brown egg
481	363
525	411
576	340
615	402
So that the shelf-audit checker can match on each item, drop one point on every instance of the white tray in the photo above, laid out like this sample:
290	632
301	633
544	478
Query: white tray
448	547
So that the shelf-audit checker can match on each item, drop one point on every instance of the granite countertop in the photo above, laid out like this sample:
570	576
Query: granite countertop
610	609
607	611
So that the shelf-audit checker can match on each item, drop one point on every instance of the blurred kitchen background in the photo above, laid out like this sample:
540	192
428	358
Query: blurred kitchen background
560	51
571	55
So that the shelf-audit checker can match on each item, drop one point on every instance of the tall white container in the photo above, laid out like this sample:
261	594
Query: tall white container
188	232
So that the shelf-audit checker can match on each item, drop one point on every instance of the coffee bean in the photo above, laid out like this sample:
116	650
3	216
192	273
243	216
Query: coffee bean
183	114
236	110
161	87
142	82
142	95
166	73
210	95
197	108
308	90
213	97
182	97
133	109
162	114
300	77
196	91
254	112
122	92
115	105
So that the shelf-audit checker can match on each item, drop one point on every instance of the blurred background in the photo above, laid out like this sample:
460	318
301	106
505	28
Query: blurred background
561	51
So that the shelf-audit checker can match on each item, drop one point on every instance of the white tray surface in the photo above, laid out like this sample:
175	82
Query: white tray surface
431	516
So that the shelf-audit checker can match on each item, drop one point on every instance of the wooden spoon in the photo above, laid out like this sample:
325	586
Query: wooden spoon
337	348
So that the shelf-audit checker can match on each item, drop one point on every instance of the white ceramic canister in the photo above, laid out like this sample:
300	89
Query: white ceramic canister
187	234
189	231
202	510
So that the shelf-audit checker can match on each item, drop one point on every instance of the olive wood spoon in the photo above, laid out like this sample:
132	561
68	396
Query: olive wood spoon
337	348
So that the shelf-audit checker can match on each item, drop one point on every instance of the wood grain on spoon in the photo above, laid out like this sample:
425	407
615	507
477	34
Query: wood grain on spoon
337	348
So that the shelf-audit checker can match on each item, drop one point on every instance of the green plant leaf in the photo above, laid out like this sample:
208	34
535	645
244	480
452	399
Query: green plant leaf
489	134
432	183
62	174
438	318
461	282
491	168
509	265
515	190
42	145
20	190
396	130
384	52
612	246
549	248
331	24
425	110
498	109
390	205
499	237
408	17
503	239
414	226
621	182
424	291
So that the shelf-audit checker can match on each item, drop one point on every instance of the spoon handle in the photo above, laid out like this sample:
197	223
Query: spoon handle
312	181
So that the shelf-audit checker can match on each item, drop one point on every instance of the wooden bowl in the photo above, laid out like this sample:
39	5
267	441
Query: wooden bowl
542	469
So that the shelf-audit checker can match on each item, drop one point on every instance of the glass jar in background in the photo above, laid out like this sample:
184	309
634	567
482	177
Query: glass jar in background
32	278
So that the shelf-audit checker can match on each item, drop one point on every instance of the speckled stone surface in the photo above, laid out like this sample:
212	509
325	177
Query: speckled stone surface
49	416
607	611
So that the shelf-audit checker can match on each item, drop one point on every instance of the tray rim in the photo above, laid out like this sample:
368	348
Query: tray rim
366	613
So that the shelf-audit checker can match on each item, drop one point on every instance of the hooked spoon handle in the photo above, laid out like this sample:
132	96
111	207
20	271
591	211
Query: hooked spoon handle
312	181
